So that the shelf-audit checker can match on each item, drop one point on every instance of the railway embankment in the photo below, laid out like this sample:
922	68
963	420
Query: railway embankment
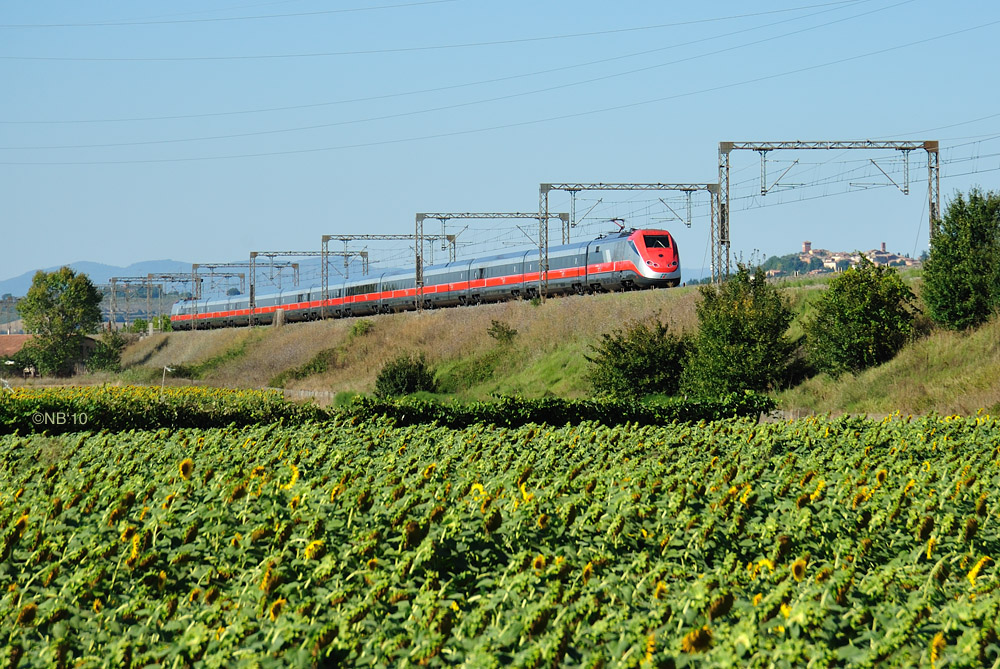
945	372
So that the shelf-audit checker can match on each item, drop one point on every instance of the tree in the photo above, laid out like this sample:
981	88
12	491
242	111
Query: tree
60	308
741	342
107	356
962	273
863	319
404	375
637	361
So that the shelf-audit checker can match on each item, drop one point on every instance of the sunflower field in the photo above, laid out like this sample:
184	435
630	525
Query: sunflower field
818	542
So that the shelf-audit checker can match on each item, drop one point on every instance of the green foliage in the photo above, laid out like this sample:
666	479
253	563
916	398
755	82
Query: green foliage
404	375
139	326
638	360
741	342
518	411
61	307
162	323
120	408
791	264
501	331
361	327
107	356
863	319
962	274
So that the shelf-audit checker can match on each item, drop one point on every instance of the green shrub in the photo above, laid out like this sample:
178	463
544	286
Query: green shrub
107	355
361	327
404	375
501	331
863	319
637	361
741	342
962	274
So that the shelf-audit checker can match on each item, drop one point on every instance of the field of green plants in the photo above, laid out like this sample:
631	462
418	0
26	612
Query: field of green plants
355	541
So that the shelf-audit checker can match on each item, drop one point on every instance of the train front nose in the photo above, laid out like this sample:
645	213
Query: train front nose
659	253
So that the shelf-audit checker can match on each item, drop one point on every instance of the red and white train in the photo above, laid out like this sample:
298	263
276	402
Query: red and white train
623	261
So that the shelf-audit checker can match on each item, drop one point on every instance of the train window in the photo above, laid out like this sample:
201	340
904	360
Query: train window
503	270
657	241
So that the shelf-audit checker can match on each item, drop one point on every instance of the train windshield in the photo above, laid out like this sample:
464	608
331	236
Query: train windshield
657	241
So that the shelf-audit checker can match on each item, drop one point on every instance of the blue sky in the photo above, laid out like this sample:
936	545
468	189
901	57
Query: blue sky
201	131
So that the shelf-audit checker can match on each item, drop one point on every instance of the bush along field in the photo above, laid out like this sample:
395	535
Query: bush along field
77	409
358	542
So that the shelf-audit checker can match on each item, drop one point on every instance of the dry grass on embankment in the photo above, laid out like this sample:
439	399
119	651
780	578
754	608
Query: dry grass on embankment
546	356
945	372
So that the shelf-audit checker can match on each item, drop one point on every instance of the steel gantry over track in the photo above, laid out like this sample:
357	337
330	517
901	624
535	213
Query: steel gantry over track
127	281
720	234
543	253
417	240
272	255
574	188
198	279
280	267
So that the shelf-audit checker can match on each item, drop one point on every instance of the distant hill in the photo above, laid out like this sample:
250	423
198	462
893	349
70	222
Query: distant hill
99	273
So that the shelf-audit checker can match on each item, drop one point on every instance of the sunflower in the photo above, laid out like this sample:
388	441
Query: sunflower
275	610
799	569
538	563
543	521
185	467
27	614
270	580
293	480
881	476
937	645
697	640
588	571
660	591
315	549
650	648
974	572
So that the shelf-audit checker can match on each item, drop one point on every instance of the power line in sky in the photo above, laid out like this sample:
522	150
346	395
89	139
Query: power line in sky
106	24
434	47
440	89
449	107
458	133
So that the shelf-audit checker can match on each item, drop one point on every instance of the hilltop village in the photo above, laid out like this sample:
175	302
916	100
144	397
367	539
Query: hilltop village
813	262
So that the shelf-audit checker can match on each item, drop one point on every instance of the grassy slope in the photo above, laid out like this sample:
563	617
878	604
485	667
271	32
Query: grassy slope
546	356
945	372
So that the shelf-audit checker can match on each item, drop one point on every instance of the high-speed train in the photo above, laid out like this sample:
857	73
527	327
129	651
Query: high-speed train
622	261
